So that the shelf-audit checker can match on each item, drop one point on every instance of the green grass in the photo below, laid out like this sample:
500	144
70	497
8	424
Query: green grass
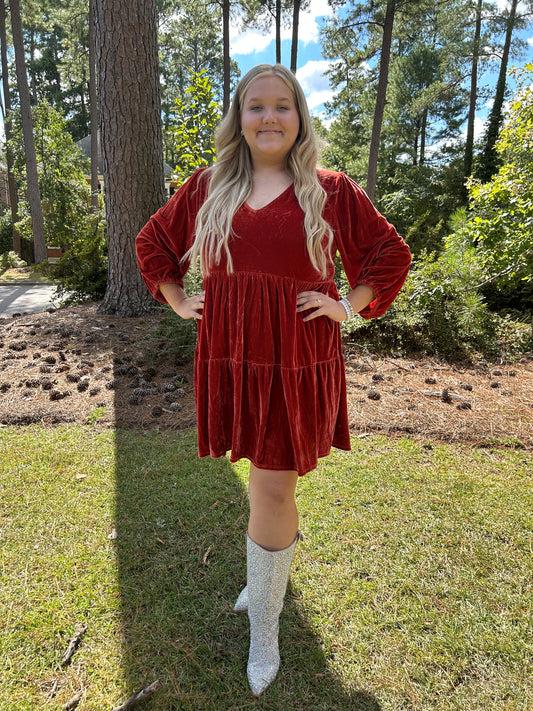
29	274
411	591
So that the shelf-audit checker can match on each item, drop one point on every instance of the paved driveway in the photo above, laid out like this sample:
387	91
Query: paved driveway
25	298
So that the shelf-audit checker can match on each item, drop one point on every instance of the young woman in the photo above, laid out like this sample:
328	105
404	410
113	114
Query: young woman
265	225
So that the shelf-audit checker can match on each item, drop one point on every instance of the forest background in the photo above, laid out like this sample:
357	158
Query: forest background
405	78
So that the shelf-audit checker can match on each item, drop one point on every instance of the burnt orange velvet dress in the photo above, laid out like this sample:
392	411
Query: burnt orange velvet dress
268	386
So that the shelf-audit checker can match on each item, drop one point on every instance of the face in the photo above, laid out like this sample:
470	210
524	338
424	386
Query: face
269	120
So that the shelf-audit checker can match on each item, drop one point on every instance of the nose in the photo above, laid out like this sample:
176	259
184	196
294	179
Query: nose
268	116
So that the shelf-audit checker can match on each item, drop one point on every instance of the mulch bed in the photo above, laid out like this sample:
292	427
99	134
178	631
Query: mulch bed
76	365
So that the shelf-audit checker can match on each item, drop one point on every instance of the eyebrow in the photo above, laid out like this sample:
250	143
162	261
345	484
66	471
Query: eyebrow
260	98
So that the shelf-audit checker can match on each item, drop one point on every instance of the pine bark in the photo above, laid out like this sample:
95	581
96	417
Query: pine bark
380	99
469	145
226	56
131	135
278	31
32	177
295	29
93	98
11	185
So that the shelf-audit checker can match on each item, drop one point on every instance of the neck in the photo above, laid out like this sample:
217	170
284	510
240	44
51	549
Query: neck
265	167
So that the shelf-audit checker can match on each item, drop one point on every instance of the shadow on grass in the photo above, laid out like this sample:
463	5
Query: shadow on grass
181	526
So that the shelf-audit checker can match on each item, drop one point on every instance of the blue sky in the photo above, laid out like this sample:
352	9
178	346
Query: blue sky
253	47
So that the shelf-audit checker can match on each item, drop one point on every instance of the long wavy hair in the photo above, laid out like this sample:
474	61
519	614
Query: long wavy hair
230	180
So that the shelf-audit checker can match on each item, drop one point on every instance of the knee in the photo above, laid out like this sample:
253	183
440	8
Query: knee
273	494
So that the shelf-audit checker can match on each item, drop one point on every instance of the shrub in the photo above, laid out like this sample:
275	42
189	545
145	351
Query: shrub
81	274
11	260
439	311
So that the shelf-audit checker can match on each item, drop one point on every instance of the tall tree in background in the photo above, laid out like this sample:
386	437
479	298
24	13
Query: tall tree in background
33	193
282	13
191	40
469	145
130	115
226	54
94	109
12	188
384	63
489	160
294	42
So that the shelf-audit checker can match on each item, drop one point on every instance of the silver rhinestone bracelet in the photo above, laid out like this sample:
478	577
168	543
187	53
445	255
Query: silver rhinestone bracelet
348	308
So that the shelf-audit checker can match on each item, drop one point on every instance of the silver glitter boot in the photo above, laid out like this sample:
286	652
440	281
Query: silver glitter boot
268	575
241	605
242	601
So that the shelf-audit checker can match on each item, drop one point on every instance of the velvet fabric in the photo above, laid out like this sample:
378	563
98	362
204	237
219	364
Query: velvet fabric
268	386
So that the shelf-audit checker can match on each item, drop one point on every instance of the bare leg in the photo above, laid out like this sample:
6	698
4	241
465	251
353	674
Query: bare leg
273	514
272	538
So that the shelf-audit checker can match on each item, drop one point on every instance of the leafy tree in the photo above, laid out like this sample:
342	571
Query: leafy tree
32	181
194	123
69	222
6	113
65	194
501	222
189	40
512	20
56	38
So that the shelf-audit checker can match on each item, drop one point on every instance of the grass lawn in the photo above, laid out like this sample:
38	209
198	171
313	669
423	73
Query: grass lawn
21	274
412	590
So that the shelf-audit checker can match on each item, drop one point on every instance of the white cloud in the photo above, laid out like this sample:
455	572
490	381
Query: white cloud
315	83
530	41
479	127
505	5
318	98
248	42
252	41
308	29
312	75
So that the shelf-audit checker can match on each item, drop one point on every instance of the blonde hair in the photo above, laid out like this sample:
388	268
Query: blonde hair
230	180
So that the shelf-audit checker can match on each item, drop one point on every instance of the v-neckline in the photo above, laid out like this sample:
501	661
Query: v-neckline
271	202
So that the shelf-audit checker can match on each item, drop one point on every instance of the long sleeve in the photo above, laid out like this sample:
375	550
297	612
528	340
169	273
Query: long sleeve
371	250
168	235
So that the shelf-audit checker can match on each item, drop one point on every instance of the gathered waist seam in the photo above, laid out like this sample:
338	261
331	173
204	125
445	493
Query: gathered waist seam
335	359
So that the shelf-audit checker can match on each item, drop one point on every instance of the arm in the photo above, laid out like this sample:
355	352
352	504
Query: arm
185	306
359	298
165	240
372	252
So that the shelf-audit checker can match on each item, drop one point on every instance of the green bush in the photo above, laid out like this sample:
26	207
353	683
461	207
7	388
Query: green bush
11	260
81	274
6	233
439	311
6	239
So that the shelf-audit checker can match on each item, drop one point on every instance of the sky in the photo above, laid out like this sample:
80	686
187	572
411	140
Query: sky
253	47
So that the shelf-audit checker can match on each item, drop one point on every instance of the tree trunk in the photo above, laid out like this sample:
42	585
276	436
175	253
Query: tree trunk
11	185
278	31
132	147
294	44
93	99
380	99
423	135
469	145
32	177
226	56
489	163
